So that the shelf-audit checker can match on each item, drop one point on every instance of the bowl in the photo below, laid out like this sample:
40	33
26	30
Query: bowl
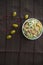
32	28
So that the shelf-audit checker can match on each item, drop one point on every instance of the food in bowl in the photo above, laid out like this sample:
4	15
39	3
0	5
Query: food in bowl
32	28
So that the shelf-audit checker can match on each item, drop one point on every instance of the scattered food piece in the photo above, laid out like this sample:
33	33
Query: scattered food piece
13	31
9	36
14	13
26	16
15	25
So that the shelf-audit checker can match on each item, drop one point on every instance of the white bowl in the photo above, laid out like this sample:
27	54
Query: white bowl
34	38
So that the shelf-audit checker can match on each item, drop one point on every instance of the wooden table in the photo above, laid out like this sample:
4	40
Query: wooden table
18	50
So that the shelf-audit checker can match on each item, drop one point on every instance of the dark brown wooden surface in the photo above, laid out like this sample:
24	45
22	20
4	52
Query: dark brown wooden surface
18	50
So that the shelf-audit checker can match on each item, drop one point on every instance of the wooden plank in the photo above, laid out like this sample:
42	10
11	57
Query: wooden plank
11	58
2	24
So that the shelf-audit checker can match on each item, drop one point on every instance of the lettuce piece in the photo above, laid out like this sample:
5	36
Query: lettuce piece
30	36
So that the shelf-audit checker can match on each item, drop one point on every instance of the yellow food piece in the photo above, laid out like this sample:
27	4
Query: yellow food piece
36	33
28	33
26	16
34	24
39	24
37	28
26	26
14	13
29	30
33	31
15	25
13	31
9	36
26	29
